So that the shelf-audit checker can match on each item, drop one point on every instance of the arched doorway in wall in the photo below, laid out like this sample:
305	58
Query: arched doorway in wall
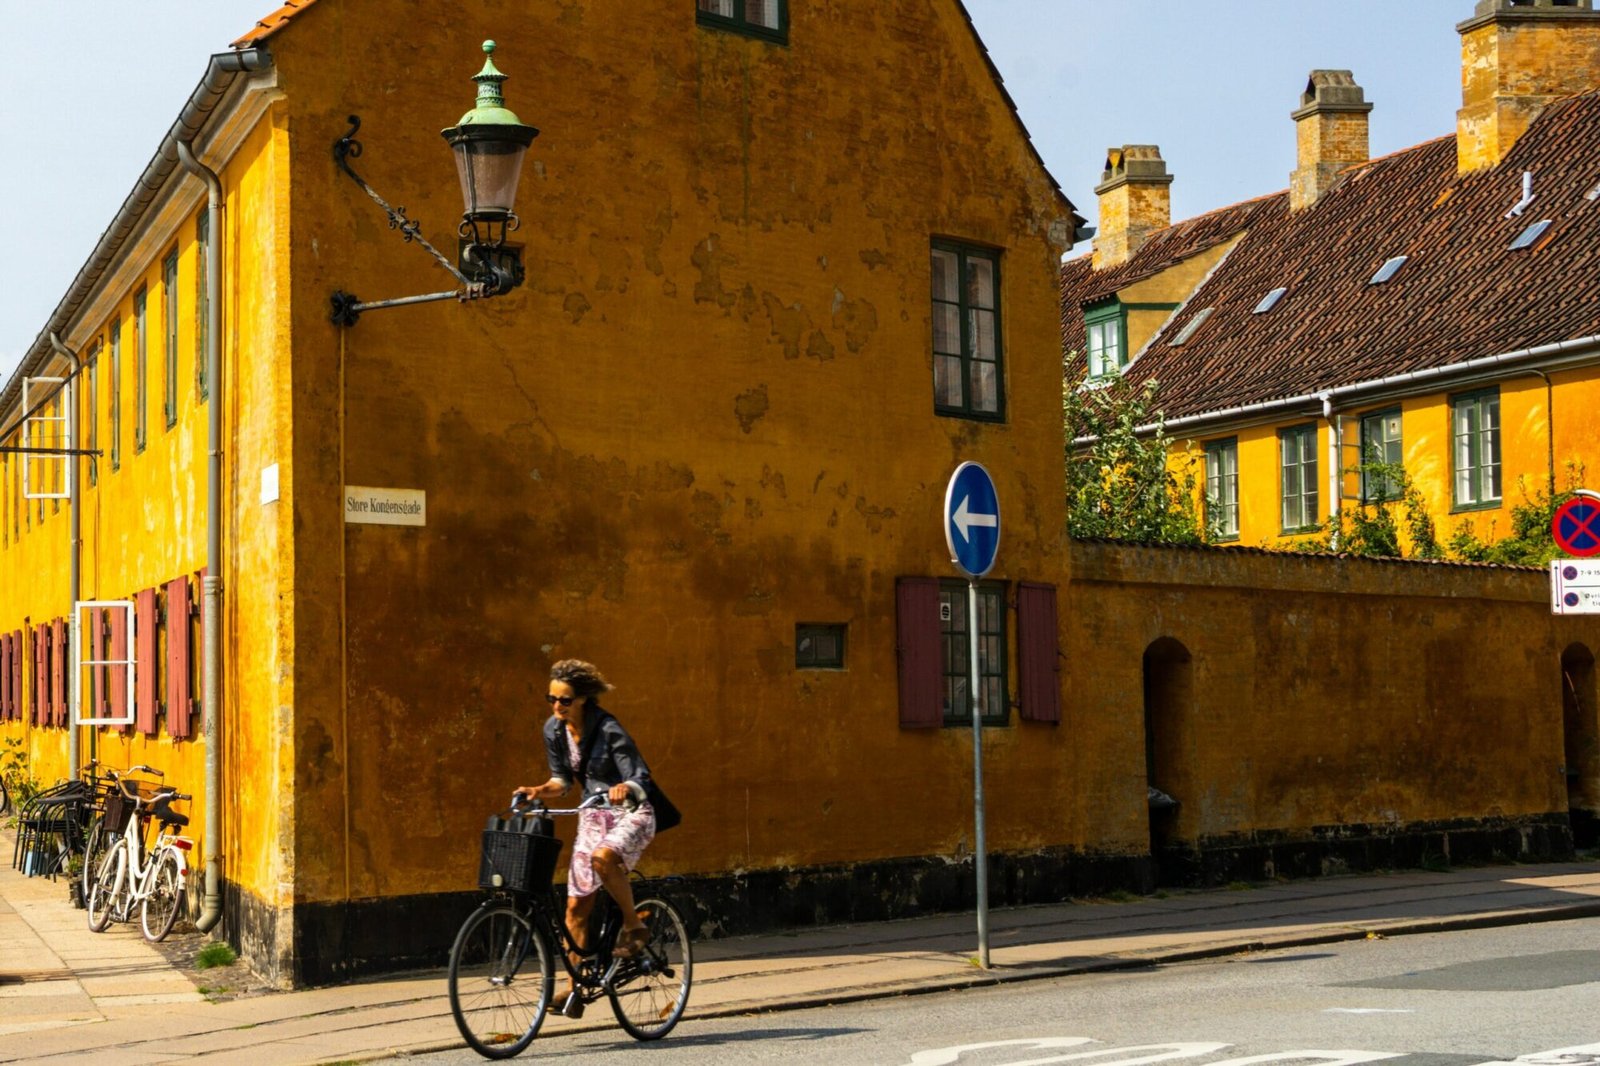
1580	720
1168	713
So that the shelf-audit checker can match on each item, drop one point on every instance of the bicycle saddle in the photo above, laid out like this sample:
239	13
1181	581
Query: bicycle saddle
161	809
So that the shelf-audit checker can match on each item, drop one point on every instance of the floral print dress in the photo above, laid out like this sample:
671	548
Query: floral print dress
627	833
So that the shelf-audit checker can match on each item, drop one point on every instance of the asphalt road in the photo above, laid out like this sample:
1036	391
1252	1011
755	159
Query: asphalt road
1525	994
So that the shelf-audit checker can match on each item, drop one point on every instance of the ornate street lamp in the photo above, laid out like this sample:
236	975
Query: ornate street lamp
490	143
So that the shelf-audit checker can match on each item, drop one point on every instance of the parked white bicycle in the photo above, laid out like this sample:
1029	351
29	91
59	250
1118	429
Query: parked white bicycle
129	876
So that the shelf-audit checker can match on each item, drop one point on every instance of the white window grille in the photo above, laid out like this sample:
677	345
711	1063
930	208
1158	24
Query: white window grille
47	476
94	674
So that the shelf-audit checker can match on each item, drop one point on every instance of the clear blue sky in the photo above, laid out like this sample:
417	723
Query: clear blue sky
1211	83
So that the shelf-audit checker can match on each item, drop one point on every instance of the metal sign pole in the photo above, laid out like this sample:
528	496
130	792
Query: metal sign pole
981	859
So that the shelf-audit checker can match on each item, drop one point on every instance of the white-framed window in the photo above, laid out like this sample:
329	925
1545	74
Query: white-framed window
104	663
1380	444
1222	489
1475	426
1297	450
1107	330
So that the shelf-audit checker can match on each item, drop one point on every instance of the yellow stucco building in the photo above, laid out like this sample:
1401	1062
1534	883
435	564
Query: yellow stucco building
1421	309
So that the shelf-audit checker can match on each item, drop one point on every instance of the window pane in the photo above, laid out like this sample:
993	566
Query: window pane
980	324
985	388
980	282
944	276
717	7
947	380
947	329
762	13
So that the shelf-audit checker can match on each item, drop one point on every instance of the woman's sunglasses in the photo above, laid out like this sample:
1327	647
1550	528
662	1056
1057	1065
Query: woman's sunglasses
565	701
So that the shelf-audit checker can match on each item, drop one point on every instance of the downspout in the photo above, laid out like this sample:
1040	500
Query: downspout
75	576
211	584
1550	428
1335	482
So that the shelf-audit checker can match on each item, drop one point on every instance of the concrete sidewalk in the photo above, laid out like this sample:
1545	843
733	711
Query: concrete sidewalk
67	993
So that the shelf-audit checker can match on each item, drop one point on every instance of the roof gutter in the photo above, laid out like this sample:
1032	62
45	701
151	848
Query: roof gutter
219	77
1576	350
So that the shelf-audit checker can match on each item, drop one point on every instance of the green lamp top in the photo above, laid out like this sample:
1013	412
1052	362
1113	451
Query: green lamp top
490	109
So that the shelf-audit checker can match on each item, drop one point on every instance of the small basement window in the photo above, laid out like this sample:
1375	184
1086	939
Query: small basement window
1531	234
819	646
1270	300
1388	270
1190	326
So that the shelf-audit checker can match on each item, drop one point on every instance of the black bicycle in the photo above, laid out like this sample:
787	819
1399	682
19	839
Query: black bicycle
503	963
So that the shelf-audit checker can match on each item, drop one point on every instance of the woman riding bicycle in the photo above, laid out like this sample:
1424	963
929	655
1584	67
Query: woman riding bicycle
587	746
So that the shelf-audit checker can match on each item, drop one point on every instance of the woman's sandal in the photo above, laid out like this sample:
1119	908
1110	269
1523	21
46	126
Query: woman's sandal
631	944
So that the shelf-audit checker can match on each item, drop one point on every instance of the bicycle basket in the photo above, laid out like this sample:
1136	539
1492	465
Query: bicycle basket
518	859
117	812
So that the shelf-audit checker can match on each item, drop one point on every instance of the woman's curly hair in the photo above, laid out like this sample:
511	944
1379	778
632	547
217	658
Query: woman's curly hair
585	678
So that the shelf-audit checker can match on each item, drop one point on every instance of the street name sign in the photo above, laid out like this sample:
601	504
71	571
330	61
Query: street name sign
1575	586
972	519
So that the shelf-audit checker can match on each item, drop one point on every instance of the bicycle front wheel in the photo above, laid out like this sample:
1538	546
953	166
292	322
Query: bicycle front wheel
94	850
501	971
107	887
160	908
649	993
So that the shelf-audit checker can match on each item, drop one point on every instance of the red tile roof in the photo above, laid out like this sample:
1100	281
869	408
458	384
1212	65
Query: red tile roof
1461	294
272	23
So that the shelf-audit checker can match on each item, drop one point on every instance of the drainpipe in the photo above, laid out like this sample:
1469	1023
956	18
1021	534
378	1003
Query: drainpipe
1550	428
211	584
1335	478
73	522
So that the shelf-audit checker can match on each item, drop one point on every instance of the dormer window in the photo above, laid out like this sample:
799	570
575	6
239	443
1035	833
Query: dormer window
1270	300
1388	270
1107	329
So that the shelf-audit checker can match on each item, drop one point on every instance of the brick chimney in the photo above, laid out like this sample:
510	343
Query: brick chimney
1330	132
1135	201
1516	57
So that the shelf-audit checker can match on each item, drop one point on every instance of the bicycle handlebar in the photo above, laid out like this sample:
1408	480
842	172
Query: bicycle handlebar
593	803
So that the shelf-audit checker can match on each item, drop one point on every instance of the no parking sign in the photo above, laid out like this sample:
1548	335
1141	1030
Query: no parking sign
1576	525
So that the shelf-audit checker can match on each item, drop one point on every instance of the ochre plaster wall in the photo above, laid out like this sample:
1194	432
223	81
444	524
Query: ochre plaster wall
1324	692
1527	449
144	522
706	417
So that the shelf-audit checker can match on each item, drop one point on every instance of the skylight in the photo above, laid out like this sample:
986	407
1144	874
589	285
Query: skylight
1189	327
1592	194
1531	234
1388	269
1270	300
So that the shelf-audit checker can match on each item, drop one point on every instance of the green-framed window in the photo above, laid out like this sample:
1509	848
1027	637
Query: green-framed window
169	326
1297	453
202	302
141	367
114	395
968	371
1107	329
1380	444
1222	489
957	652
1475	430
819	646
767	19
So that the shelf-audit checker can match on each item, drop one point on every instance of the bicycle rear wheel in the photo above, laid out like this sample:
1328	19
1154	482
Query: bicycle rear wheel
501	971
160	908
649	993
107	887
94	849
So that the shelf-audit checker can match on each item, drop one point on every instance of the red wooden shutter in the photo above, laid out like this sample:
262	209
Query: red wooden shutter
18	707
145	646
117	676
1038	653
95	648
5	678
917	648
41	672
179	625
58	673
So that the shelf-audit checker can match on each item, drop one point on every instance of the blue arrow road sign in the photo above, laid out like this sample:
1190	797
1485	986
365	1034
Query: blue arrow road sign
972	519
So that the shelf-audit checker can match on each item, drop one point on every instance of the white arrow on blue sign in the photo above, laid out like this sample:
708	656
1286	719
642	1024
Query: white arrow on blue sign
972	519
